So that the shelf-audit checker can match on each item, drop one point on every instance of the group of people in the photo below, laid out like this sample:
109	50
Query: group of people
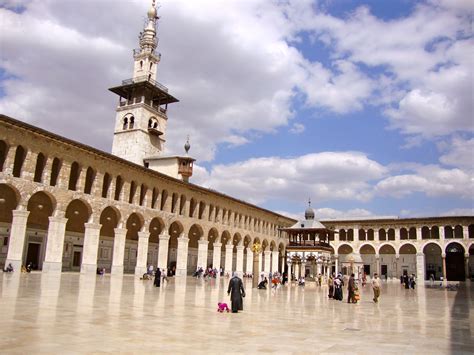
408	281
336	283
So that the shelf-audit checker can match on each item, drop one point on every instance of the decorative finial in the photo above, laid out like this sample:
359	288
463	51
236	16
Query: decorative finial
309	202
187	146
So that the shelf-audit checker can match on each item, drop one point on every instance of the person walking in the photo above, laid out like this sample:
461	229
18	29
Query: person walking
157	281
376	287
351	289
236	292
331	287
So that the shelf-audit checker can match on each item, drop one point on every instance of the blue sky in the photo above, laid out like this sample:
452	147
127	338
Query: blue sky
363	106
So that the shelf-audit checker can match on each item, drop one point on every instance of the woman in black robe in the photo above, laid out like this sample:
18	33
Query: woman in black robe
157	277
236	291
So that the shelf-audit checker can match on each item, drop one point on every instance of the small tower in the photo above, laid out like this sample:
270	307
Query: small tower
140	123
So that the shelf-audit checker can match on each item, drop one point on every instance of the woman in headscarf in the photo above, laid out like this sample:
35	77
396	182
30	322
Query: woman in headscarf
157	281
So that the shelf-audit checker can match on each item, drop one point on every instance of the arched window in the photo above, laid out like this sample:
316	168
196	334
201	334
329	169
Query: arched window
74	176
55	168
105	185
125	123
154	197
133	189
132	122
151	65
150	123
90	176
164	197
118	188
40	164
20	156
3	153
143	190
141	64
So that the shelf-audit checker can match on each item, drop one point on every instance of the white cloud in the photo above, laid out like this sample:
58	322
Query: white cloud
297	128
431	180
459	153
323	176
327	214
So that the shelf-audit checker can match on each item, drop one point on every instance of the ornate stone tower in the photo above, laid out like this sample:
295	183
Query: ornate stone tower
140	123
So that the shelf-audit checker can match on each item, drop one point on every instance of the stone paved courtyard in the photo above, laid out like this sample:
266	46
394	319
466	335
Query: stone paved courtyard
73	313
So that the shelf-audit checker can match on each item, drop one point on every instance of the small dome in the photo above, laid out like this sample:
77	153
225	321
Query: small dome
187	146
152	12
309	213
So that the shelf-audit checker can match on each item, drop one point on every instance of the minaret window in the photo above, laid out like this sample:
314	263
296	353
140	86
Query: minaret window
141	64
151	65
125	123
132	122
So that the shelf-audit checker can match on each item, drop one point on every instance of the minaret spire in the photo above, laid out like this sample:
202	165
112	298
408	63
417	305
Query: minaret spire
148	40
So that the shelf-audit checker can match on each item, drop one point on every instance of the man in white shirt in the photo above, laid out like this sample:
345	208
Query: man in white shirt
376	287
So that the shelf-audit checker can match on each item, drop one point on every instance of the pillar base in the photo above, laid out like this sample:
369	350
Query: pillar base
88	268
49	266
140	270
181	272
15	263
117	270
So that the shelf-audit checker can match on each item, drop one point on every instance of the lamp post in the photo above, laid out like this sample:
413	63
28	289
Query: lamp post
256	249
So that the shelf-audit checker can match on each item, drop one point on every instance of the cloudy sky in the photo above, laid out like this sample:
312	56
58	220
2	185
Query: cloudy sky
364	106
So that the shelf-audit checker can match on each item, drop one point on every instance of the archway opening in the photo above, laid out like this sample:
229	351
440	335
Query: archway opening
407	259
433	261
455	268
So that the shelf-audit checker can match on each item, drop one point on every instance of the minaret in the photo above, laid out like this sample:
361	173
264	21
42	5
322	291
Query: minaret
140	122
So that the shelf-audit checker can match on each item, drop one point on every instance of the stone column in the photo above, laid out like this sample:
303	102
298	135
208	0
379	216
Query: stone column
289	270
216	257
466	267
377	264
91	248
303	269
336	263
420	267
239	266
441	233
16	240
182	257
259	267
163	251
53	259
249	268
275	255
229	248
397	266
444	268
297	271
202	254
318	268
142	253
266	267
256	275
465	232
119	251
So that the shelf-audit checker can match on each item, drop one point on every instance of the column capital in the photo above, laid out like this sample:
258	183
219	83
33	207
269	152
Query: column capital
268	252
143	235
164	236
92	225
217	245
120	231
183	239
203	242
20	213
240	247
443	255
54	219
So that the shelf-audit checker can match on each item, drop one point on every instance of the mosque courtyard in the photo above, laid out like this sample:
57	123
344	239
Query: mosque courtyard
73	313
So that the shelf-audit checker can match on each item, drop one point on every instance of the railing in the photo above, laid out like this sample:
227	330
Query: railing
140	79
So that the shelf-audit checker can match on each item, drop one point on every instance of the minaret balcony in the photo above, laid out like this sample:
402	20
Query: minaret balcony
154	131
143	78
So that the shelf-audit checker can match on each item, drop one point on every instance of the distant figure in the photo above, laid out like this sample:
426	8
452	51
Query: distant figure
164	276
262	285
29	267
350	289
412	281
338	283
376	287
406	281
331	286
9	268
221	307
150	269
236	292
157	281
301	281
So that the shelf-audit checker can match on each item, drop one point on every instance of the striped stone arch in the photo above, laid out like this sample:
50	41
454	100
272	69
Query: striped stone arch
344	244
455	242
386	243
431	241
409	243
369	244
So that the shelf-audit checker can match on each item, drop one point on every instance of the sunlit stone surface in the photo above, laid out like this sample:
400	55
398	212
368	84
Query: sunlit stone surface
74	313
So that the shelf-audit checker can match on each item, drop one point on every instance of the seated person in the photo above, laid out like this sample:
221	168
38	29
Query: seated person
263	284
301	281
9	268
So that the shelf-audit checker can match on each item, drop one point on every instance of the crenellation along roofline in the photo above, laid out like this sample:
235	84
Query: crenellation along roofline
6	120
